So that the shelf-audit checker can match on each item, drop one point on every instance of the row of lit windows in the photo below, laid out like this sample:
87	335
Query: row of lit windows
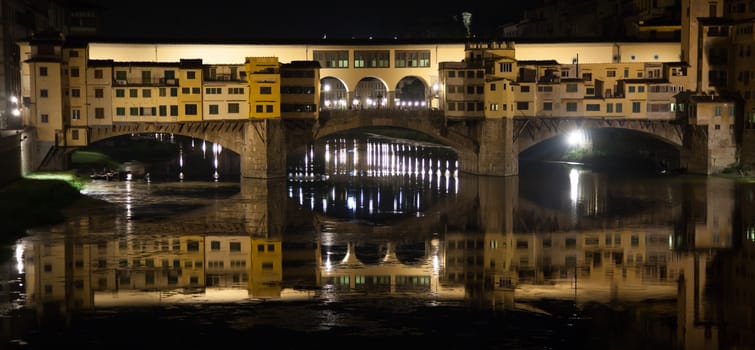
373	58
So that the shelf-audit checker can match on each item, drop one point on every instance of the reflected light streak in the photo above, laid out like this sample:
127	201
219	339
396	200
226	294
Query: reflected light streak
574	182
19	257
351	203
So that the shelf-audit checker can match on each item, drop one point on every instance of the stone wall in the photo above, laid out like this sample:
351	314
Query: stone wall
10	157
747	150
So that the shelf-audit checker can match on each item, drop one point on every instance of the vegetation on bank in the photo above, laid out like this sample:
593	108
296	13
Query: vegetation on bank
38	200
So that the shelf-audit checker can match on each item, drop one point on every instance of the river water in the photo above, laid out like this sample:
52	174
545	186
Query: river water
375	241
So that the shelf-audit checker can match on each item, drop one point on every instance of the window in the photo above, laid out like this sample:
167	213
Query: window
99	93
73	53
717	110
233	108
186	90
375	59
609	107
618	108
42	71
636	107
332	58
611	73
75	72
522	105
572	88
524	88
134	111
196	90
215	245
76	114
75	93
266	90
43	93
99	113
235	246
98	74
146	93
75	134
191	75
505	67
120	93
44	118
406	58
258	108
163	110
173	110
214	110
120	75
571	106
190	109
120	111
174	92
592	107
269	108
133	93
547	106
630	89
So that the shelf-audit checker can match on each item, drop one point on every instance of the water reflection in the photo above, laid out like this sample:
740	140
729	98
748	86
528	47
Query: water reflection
662	261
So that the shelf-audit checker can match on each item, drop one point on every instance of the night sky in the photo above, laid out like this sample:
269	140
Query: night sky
225	19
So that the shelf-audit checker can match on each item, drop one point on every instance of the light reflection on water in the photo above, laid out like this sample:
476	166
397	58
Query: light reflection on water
373	237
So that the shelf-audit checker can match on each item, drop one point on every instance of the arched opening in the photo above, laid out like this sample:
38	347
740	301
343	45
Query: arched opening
608	149
157	157
412	93
371	93
333	94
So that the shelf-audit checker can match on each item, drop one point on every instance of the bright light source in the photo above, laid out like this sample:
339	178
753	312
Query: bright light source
576	138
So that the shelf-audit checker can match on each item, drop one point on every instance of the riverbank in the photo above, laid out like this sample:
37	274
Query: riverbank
31	202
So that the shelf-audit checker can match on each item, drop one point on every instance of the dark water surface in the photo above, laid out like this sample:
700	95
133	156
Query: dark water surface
379	242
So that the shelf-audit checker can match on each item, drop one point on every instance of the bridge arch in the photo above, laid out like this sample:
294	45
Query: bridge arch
532	131
429	123
228	134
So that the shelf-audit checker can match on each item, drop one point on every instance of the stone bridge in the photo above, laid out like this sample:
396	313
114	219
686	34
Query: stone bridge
483	146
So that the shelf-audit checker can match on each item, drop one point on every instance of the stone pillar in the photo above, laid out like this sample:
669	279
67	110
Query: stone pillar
264	150
497	154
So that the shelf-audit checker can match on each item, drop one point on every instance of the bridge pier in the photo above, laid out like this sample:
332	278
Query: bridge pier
264	151
497	154
705	152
